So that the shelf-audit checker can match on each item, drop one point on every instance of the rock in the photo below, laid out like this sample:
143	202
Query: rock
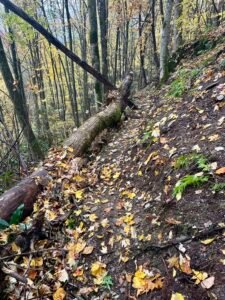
220	98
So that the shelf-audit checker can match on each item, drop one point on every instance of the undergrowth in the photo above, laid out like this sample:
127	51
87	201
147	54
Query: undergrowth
186	161
218	187
182	82
186	181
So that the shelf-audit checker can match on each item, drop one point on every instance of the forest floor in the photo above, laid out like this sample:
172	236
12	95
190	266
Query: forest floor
145	217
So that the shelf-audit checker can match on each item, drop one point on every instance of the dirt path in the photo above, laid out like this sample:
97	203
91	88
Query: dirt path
112	230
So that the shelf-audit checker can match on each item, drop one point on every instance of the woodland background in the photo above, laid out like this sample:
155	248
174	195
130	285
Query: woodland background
44	96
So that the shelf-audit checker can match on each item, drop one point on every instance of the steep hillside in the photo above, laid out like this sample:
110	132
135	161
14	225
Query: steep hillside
145	217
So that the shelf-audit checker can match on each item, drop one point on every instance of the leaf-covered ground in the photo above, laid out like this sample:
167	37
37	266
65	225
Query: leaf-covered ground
145	216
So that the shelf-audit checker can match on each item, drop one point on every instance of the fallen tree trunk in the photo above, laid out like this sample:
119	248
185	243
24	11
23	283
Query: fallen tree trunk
27	190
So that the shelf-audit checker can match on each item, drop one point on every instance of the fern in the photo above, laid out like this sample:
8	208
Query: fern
217	187
186	181
187	160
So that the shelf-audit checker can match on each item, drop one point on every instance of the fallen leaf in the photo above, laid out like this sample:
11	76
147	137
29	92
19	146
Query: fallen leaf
208	241
36	262
177	296
98	269
79	194
220	171
208	282
60	294
199	276
172	221
88	250
63	276
128	194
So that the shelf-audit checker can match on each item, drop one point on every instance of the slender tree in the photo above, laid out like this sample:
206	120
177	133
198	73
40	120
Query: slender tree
19	104
94	45
165	38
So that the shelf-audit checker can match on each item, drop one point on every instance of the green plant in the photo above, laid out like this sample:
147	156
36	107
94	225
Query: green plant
179	85
186	181
15	218
147	137
217	187
186	160
177	88
107	282
6	178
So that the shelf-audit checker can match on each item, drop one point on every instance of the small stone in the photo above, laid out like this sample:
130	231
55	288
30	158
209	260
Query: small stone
220	98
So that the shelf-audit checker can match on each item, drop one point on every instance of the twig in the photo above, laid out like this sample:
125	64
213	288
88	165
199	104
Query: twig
14	275
31	252
198	236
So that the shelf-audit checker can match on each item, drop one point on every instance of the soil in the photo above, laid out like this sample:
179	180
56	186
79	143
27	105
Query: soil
127	208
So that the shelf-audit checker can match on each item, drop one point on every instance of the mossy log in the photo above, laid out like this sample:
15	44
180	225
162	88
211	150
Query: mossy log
27	190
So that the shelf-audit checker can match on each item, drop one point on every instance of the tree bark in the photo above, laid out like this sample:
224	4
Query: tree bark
165	37
27	190
92	9
177	24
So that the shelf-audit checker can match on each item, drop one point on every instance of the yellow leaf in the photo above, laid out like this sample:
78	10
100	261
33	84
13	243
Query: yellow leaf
150	156
173	262
144	283
50	215
199	276
128	219
93	217
79	194
98	269
177	296
208	241
128	194
60	294
36	262
138	283
70	149
15	248
106	173
78	178
116	175
105	223
214	138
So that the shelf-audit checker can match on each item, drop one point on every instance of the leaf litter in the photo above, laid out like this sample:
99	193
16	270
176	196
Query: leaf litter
91	226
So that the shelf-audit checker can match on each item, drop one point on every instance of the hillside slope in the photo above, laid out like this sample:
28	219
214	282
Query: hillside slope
145	217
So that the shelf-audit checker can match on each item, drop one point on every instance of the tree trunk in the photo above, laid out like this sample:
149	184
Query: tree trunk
28	189
73	99
19	105
103	22
94	46
165	38
178	41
